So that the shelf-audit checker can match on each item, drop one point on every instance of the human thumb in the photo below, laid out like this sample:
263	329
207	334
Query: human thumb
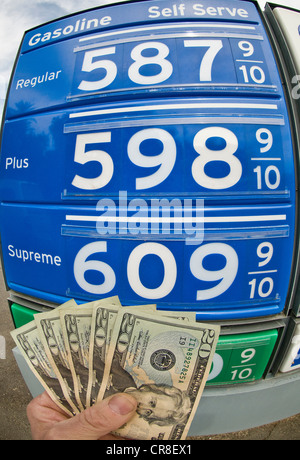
96	421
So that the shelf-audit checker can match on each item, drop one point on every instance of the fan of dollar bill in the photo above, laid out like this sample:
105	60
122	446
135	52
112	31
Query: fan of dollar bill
82	354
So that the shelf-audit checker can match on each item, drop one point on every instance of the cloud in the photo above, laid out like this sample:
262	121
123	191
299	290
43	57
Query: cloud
17	16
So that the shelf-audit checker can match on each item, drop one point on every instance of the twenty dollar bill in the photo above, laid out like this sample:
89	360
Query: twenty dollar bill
164	363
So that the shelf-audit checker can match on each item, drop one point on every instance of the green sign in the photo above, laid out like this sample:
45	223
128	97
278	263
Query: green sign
242	358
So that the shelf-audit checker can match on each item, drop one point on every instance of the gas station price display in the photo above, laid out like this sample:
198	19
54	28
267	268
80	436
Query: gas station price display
147	152
143	50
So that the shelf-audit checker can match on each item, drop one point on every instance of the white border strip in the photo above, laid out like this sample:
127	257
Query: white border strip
165	27
200	105
191	35
118	219
131	123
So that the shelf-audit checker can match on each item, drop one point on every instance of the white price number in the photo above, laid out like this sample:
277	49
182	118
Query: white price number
242	374
82	157
166	68
270	171
157	55
265	286
271	174
225	276
254	74
165	160
82	265
91	62
247	48
225	155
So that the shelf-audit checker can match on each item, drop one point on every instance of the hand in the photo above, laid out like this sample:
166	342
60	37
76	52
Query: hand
49	422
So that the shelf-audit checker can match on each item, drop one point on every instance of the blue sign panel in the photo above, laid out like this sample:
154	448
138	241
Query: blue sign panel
212	148
142	49
147	152
232	269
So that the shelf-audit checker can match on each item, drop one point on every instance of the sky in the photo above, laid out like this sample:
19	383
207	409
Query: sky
17	16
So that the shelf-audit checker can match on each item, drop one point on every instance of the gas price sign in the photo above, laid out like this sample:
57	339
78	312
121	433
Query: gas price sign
147	152
242	358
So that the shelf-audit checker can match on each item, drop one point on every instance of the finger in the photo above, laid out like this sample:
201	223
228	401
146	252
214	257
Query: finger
42	414
96	421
